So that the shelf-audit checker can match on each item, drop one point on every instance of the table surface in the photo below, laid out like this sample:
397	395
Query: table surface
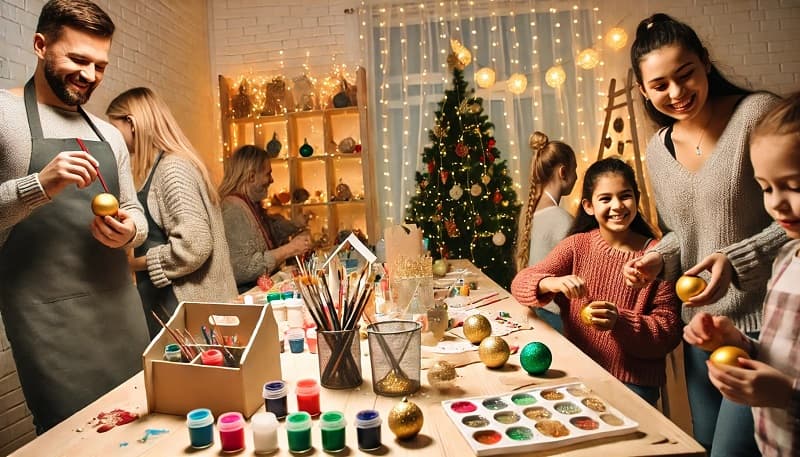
656	435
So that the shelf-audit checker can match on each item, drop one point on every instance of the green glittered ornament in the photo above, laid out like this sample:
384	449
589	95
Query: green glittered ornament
535	358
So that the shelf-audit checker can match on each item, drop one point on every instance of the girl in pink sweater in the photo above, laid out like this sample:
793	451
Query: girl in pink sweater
627	331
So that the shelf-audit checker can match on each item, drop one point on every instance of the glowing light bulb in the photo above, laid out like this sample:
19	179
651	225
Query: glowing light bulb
588	58
616	38
555	76
485	77
517	83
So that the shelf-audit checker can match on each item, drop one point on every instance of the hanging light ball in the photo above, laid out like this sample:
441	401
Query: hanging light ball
555	76
517	83
485	77
616	38
588	58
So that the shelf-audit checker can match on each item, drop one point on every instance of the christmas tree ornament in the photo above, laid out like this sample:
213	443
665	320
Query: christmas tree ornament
453	62
489	157
494	351
440	267
274	146
497	197
535	358
343	192
347	145
478	220
442	374
486	179
687	287
499	239
444	174
405	419
586	315
436	218
438	131
105	204
306	150
476	328
431	167
452	228
474	108
504	203
423	184
461	150
456	192
476	190
728	355
490	143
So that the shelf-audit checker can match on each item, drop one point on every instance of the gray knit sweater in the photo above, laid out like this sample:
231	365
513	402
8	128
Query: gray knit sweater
195	260
249	254
718	208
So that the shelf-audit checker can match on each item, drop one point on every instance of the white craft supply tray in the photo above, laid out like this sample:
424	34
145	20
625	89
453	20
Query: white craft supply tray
523	421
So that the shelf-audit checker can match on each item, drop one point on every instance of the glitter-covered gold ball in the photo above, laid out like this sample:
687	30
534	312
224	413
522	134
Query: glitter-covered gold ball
442	374
476	328
494	351
405	419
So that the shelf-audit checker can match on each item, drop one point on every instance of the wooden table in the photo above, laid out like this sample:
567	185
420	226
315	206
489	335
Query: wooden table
439	437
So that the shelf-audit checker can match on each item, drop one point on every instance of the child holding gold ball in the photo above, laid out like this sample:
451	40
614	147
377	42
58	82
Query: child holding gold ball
771	382
628	334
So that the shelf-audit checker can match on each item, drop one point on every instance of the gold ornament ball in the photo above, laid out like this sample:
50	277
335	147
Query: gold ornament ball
494	351
728	355
105	204
440	267
476	328
405	420
586	315
442	374
688	286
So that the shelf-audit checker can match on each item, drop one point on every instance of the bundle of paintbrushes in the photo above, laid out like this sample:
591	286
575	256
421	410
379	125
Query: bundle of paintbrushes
190	348
337	310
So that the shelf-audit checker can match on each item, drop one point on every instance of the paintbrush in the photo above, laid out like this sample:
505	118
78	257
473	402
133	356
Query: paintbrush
96	168
184	350
229	358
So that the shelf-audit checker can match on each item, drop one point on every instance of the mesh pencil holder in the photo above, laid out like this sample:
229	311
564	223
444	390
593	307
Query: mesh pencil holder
394	348
339	359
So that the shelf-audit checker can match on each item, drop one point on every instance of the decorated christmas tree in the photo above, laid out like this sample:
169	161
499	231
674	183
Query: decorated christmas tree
465	203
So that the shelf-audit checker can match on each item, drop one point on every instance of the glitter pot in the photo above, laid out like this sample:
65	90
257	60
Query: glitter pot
201	428
332	425
172	353
296	337
265	432
368	429
231	431
298	430
275	393
308	396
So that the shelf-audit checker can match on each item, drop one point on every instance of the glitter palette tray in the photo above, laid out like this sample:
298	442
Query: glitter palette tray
535	419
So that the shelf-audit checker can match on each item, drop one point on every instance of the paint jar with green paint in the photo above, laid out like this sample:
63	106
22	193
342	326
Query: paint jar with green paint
298	429
332	425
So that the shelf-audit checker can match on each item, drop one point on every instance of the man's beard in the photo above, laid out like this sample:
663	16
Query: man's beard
58	85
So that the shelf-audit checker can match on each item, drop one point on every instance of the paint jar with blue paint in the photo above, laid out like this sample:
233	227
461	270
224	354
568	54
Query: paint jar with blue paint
332	424
172	353
368	429
201	428
296	337
275	394
298	430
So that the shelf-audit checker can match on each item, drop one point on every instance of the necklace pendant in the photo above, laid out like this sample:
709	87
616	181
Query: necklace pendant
697	151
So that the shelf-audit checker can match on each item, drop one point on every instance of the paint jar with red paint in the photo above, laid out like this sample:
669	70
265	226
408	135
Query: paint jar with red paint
308	396
212	357
231	431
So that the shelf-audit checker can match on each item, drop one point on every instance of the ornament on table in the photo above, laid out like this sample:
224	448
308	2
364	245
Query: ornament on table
306	150
494	351
438	320
476	328
535	358
499	238
405	419
444	174
442	374
347	145
105	204
486	179
452	228
241	105
476	190
478	220
300	195
343	192
440	267
497	197
456	192
303	93
461	149
274	97
274	146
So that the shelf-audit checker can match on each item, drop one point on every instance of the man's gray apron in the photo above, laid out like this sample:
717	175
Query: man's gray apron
71	311
160	300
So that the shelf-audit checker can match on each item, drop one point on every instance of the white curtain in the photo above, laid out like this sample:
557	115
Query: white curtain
407	46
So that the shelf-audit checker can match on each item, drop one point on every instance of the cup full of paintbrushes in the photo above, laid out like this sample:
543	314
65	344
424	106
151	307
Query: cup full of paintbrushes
339	359
395	353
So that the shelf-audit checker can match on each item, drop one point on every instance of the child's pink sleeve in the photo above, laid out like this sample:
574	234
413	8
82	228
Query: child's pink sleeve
525	286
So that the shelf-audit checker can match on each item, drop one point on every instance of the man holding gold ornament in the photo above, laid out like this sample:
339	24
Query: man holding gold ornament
70	309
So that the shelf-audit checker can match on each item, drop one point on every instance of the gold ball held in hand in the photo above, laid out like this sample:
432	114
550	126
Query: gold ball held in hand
105	204
688	286
494	351
586	315
476	328
405	419
442	374
728	355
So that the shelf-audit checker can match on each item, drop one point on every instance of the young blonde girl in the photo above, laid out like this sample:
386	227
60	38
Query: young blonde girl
545	223
631	331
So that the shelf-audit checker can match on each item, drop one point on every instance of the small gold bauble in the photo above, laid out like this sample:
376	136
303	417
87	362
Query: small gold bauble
442	374
494	351
586	315
728	355
405	419
105	204
440	267
687	287
476	328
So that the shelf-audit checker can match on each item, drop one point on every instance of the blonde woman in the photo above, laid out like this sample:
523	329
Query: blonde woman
545	223
185	256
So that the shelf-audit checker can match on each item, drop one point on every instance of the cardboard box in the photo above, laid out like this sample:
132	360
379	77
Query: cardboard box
177	388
